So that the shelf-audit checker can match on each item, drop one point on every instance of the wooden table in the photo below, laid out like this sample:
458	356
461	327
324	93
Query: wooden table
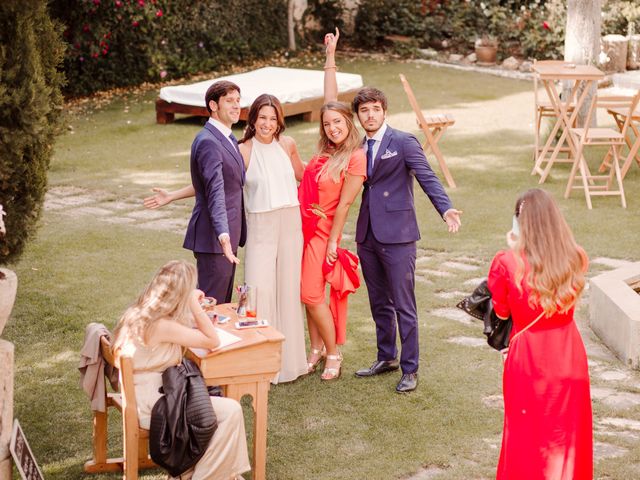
245	368
583	77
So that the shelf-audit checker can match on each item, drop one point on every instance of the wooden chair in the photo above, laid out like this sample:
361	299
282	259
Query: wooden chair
135	439
615	139
620	117
543	108
433	127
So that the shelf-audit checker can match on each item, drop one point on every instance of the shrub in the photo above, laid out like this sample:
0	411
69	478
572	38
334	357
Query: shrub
326	14
528	28
126	42
621	17
31	51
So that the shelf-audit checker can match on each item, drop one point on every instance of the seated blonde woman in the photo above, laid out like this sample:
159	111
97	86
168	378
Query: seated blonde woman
155	328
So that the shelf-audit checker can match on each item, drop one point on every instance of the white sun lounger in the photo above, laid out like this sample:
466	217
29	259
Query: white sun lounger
299	91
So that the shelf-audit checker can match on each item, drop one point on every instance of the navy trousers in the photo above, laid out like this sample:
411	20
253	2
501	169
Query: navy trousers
215	275
389	272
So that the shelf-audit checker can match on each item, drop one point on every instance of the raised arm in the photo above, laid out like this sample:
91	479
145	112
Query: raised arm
163	197
330	82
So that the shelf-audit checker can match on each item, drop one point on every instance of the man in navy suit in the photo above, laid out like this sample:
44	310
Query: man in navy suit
217	226
387	231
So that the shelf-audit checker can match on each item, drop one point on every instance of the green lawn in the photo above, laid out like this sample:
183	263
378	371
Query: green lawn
89	262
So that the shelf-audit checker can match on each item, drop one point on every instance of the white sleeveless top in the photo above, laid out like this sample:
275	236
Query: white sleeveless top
270	181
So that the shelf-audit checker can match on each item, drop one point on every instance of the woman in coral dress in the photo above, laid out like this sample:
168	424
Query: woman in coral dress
547	421
330	184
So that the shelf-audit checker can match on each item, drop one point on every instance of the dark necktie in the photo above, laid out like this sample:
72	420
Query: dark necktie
234	140
370	143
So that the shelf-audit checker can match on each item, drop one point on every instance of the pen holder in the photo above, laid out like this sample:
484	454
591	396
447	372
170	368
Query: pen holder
247	301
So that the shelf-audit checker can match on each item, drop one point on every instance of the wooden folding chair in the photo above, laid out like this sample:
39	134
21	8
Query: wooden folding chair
433	127
620	117
543	108
135	438
588	136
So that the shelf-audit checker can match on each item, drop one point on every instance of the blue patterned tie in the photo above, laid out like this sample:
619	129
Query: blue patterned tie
370	143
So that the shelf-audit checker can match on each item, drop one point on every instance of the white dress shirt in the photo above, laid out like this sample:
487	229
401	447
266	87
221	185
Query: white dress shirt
224	130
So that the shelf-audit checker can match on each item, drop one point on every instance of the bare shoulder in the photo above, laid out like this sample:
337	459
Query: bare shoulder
245	149
288	142
246	146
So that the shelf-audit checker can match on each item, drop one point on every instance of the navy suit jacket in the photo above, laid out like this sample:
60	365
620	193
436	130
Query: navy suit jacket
217	174
387	200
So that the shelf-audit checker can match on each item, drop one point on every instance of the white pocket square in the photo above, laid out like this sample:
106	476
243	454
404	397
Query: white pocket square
388	154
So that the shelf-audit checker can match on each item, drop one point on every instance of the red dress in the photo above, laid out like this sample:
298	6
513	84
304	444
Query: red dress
547	430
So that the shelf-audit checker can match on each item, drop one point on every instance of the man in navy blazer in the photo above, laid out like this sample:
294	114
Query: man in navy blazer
217	226
387	231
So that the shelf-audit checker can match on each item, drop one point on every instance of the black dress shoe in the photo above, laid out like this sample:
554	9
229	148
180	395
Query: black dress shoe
378	367
407	383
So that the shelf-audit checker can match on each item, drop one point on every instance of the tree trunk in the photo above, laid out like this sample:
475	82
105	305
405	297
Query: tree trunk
291	24
582	41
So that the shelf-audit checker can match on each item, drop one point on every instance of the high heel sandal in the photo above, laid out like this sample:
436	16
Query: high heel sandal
332	373
312	366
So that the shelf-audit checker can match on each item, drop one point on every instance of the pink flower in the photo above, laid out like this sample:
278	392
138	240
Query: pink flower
545	25
159	13
163	73
96	2
104	51
118	4
85	28
94	55
135	23
141	3
81	59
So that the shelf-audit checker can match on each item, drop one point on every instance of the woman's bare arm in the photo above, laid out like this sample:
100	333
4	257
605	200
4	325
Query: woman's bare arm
163	197
330	82
350	189
294	156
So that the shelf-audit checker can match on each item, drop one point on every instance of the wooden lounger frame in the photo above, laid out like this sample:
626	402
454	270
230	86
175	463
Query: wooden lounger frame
309	108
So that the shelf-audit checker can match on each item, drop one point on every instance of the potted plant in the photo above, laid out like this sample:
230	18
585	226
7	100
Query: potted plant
486	48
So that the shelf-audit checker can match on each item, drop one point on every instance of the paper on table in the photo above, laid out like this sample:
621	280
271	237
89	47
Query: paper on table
226	339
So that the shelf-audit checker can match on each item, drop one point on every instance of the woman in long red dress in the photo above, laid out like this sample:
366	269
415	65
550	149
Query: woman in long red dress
547	421
330	183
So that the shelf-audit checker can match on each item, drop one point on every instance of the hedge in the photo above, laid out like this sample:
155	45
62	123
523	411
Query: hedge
113	43
31	51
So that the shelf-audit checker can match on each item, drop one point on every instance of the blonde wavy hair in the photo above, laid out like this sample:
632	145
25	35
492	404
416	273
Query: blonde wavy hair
166	296
339	155
557	263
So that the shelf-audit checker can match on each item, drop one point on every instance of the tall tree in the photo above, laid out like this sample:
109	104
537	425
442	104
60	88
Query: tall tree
582	39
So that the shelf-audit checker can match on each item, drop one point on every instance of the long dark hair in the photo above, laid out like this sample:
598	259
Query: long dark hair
264	100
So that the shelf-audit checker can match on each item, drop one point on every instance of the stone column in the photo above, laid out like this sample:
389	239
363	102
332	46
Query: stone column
6	407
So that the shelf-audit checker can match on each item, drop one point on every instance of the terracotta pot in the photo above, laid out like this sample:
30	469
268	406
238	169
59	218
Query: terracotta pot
8	288
486	54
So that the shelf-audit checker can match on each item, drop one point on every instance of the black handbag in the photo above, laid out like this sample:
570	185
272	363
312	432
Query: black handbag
182	420
480	306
